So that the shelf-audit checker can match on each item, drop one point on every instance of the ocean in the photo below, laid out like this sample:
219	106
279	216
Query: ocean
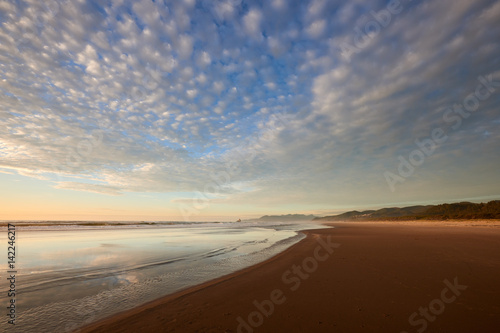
68	276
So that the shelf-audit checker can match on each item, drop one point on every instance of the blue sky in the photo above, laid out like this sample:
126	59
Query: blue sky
215	109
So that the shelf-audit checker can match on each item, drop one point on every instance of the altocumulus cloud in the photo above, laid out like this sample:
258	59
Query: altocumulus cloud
182	85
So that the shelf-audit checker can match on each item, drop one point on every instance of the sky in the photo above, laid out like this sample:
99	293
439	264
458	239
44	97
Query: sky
216	110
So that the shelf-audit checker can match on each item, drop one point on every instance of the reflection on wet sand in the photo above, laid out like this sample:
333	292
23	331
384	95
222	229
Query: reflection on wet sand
114	268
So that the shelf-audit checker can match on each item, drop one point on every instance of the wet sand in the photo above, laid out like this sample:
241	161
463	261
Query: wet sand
358	277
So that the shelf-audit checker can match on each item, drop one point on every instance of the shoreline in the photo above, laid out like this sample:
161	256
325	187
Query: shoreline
348	288
192	289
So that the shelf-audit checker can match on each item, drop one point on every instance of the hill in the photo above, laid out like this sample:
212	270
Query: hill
461	210
284	218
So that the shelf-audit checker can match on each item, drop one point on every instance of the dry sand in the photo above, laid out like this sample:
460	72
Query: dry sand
382	275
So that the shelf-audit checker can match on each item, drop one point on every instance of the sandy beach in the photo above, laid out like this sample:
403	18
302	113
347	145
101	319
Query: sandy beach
356	277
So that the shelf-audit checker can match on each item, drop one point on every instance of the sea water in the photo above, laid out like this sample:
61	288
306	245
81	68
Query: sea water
71	275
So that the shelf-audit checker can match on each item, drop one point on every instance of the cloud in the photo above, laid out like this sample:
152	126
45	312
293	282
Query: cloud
95	188
150	97
185	46
252	23
204	59
224	9
278	4
316	28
